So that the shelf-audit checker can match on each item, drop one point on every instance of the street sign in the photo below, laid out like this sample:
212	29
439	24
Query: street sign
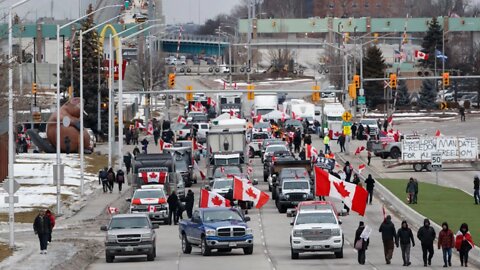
347	130
347	116
7	199
443	105
361	100
436	161
6	185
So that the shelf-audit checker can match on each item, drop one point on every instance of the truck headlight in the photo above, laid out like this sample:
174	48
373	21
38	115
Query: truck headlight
249	231
111	238
287	196
297	233
336	232
210	232
147	235
305	196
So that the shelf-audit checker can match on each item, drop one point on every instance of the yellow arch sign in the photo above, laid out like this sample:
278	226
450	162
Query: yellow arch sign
116	39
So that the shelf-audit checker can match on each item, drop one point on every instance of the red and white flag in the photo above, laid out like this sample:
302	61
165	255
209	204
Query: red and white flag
211	102
384	212
243	191
197	168
112	210
164	145
199	107
361	167
359	150
310	151
438	133
283	117
421	55
197	145
354	196
232	113
181	120
154	177
258	118
249	170
150	128
390	120
212	199
193	108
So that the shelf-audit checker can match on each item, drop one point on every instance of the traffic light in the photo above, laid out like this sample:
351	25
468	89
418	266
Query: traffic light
171	80
446	79
104	106
375	38
189	96
34	88
356	81
346	37
251	93
393	81
316	93
352	91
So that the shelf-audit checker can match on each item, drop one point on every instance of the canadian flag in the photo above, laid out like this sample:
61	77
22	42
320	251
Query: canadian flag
390	120
150	128
199	107
421	55
211	102
283	117
164	145
249	170
212	199
197	145
243	191
181	120
354	196
232	113
438	133
154	177
258	118
311	151
359	150
361	167
193	108
197	168
294	116
112	210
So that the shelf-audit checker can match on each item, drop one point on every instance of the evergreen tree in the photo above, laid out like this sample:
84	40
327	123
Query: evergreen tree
432	41
427	95
403	97
91	57
374	67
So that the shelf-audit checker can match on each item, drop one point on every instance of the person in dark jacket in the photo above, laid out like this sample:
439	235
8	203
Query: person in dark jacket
348	171
42	227
415	195
405	237
446	243
136	151
307	139
172	207
464	243
67	143
360	131
51	216
229	196
410	190
341	141
103	179
156	136
111	179
297	140
144	143
476	189
127	160
389	238
426	235
302	155
370	184
354	130
362	251
120	179
189	201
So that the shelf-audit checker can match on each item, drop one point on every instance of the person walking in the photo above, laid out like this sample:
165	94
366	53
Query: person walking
103	179
144	145
369	157
41	227
348	171
127	160
326	142
341	142
476	189
50	216
462	114
172	207
297	140
156	136
415	195
370	185
464	243
426	235
389	238
136	151
410	190
67	143
120	179
356	179
354	130
361	244
406	240
111	179
307	140
360	132
136	135
446	243
189	201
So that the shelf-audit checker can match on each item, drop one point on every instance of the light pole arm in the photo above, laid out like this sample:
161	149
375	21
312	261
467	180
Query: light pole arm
101	24
89	14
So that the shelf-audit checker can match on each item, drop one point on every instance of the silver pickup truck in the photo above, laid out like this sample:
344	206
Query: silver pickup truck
130	235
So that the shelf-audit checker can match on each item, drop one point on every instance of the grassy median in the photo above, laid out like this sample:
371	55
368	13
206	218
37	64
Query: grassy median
441	204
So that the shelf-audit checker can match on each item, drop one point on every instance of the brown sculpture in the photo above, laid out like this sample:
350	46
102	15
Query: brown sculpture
71	109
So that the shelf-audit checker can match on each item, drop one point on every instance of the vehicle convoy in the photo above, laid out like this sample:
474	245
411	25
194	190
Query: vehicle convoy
417	151
150	199
229	102
183	163
301	108
255	144
291	191
332	120
270	159
316	230
217	228
287	168
130	235
263	104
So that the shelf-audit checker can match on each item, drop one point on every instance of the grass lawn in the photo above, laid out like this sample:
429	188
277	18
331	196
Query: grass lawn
5	251
441	204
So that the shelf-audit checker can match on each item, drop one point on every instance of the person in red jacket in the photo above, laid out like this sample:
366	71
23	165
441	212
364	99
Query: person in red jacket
445	242
50	215
464	243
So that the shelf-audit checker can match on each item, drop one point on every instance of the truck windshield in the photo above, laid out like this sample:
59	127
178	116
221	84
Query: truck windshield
129	223
221	215
296	185
233	170
276	148
221	184
259	136
263	111
149	193
293	173
315	217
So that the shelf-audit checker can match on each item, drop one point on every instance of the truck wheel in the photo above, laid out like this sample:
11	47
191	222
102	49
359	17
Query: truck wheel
384	155
210	70
428	167
339	254
151	256
248	250
417	167
206	251
109	258
395	153
295	255
186	247
274	193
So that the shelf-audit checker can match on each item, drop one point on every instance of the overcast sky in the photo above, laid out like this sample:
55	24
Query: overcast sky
197	11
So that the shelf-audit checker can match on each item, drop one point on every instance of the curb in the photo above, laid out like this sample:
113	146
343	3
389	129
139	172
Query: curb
405	212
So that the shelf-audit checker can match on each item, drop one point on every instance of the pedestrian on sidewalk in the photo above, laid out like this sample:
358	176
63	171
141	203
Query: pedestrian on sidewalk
405	237
476	189
156	136
369	157
426	235
415	195
136	151
446	243
111	179
127	160
360	131
41	227
410	190
389	238
354	130
341	142
144	145
326	141
136	135
370	185
464	243
172	207
361	244
297	140
189	201
307	140
348	171
103	179
51	216
120	179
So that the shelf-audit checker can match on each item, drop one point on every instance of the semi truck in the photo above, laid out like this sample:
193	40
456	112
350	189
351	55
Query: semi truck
229	102
332	120
263	104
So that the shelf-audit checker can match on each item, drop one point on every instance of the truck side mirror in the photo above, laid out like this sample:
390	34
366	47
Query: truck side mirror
104	228
155	226
128	199
247	219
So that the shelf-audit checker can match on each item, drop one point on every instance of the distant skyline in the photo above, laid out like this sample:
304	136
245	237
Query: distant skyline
196	11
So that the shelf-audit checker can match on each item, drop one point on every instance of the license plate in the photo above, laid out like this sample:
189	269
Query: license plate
294	203
317	247
232	244
128	248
